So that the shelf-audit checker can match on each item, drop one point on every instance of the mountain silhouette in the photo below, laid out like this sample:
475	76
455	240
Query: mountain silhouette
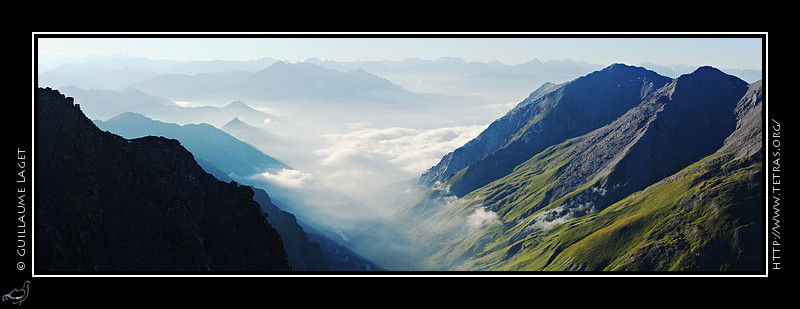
110	204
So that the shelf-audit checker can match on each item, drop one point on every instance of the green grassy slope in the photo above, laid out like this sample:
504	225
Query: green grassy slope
685	222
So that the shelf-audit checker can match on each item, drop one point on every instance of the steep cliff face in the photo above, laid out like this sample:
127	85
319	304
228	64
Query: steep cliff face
105	203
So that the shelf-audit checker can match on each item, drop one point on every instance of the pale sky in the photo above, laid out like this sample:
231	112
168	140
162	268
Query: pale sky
721	51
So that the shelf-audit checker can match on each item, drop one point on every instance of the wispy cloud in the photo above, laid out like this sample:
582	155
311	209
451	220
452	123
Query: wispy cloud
501	106
550	218
481	217
288	178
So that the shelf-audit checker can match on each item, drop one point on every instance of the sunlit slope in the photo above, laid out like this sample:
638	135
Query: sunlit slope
703	218
674	184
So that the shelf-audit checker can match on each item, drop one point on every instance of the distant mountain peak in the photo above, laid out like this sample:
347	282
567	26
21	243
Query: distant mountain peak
545	87
286	65
237	104
128	116
451	60
235	122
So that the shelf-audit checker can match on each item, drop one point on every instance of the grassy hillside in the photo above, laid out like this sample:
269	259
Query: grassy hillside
704	213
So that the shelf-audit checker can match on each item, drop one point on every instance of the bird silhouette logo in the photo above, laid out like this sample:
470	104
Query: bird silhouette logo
18	295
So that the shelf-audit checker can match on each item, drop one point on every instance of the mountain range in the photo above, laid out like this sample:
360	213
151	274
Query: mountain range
104	104
281	81
493	80
620	169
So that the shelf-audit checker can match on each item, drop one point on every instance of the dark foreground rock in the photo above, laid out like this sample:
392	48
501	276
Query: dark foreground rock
105	203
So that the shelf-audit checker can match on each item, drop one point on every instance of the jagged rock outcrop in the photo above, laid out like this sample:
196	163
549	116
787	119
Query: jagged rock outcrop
105	203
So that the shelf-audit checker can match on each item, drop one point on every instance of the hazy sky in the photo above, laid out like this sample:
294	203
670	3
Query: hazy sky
721	52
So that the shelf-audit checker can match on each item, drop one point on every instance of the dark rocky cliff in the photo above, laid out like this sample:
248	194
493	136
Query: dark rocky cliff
105	203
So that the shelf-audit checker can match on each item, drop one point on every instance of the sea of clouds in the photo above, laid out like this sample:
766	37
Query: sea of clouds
366	159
